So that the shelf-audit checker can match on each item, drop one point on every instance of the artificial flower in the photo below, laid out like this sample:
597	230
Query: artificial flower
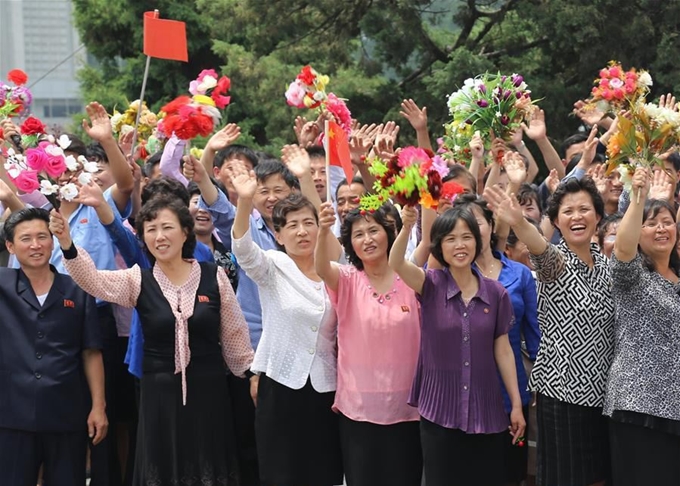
48	188
36	159
69	191
64	142
91	167
84	178
71	163
26	181
32	126
17	76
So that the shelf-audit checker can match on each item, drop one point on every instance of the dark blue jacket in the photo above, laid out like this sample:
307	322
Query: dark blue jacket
42	381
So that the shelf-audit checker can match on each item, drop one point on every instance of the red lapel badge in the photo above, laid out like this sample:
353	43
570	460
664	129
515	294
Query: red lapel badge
404	308
69	303
203	298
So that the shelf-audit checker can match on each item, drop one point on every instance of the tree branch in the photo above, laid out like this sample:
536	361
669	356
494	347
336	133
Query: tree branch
515	50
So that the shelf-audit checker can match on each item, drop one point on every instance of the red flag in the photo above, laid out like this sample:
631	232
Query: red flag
338	149
165	39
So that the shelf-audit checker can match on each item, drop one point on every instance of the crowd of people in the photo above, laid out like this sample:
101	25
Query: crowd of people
221	321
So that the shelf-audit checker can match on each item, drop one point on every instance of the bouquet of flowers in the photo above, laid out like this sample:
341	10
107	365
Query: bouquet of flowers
454	146
15	100
308	90
413	176
492	102
40	167
616	89
650	131
123	123
197	115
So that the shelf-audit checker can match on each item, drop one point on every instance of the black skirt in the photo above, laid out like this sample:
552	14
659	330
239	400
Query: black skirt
572	443
376	454
452	457
297	436
192	444
643	455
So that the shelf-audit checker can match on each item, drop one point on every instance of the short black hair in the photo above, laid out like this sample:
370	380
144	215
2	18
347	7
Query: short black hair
165	187
268	168
674	159
571	186
150	211
512	239
472	201
527	193
232	152
652	209
21	216
380	217
458	170
597	159
151	163
444	225
393	212
193	189
355	180
294	202
579	137
316	151
95	152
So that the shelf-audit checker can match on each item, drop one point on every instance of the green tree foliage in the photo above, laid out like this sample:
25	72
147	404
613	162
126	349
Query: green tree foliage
379	52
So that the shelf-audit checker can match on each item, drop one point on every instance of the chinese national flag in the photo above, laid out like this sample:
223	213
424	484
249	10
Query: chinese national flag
337	149
165	39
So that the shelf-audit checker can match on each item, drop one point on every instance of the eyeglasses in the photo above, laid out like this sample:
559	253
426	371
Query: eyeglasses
662	224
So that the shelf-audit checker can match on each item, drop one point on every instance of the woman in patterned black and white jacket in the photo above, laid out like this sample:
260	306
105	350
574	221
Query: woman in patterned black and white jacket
643	392
576	318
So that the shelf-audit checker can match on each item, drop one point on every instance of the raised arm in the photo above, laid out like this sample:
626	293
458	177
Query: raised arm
411	274
99	129
536	131
235	340
126	242
422	251
8	198
477	164
171	159
221	139
417	117
507	209
328	272
628	233
120	287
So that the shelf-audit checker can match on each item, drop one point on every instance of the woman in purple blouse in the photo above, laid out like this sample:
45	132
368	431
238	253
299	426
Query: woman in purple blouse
464	342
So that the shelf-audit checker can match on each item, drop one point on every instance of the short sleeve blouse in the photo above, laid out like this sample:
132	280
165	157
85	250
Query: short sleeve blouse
456	383
378	339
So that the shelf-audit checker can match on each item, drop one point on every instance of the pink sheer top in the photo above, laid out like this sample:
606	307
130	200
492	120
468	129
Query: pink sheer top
123	287
378	343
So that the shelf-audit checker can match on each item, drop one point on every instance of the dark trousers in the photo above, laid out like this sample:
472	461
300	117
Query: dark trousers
62	455
104	462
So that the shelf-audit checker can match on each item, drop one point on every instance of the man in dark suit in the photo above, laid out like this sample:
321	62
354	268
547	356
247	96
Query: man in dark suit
51	370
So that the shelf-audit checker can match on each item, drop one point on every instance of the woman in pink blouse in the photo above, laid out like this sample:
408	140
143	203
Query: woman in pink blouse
378	339
192	326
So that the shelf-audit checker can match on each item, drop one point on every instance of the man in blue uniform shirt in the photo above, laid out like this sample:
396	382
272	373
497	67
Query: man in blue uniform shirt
51	370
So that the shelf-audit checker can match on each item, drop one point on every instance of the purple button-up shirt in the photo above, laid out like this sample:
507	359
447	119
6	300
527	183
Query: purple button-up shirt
456	382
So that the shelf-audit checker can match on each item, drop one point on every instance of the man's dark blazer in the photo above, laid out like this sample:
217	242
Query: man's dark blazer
42	380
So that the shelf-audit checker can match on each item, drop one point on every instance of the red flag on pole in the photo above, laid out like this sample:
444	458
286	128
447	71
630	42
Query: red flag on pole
338	149
165	39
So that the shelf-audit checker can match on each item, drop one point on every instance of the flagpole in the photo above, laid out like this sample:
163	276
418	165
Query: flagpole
156	14
328	162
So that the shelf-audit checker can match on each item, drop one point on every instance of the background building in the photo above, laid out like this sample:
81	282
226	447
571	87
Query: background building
39	37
